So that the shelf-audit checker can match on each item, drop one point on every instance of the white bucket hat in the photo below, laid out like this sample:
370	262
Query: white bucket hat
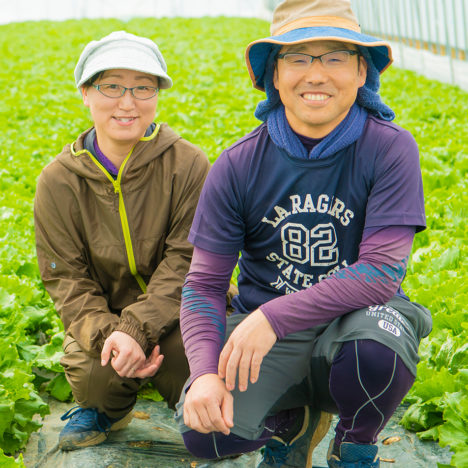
121	49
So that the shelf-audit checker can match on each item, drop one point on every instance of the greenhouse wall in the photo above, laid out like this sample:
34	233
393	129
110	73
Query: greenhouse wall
26	10
427	36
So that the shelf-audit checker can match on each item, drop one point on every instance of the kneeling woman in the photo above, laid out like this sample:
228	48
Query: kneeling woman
112	213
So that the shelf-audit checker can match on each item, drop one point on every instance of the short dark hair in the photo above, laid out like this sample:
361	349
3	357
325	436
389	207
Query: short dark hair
90	81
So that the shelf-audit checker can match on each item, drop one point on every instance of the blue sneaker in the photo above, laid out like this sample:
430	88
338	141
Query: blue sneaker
354	456
88	427
296	451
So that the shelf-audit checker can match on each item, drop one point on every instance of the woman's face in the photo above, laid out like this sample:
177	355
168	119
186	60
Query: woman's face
121	121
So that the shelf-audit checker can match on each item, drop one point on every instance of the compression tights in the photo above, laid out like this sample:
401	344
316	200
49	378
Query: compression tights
367	381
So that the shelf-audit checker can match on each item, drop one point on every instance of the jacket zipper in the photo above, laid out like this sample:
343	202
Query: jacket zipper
122	211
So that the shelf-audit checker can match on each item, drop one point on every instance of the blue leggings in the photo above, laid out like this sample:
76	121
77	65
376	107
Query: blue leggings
367	382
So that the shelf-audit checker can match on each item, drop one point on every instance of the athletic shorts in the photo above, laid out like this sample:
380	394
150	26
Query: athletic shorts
296	371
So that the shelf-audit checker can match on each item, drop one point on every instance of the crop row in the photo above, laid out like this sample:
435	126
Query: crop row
211	104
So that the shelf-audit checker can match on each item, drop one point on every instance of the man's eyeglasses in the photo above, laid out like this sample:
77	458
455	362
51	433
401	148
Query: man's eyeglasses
330	60
116	91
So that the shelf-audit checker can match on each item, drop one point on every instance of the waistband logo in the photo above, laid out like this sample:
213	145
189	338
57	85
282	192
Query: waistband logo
387	326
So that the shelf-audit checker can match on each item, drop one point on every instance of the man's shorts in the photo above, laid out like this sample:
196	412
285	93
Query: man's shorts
296	371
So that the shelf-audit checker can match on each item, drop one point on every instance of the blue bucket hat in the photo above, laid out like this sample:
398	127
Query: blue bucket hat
298	21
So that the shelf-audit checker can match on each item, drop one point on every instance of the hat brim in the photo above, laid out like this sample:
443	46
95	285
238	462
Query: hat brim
258	51
127	59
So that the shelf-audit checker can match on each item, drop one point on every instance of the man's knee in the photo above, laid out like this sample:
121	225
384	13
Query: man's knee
200	445
373	368
376	359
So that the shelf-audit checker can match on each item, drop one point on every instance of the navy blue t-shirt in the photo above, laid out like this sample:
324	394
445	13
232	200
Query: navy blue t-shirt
298	221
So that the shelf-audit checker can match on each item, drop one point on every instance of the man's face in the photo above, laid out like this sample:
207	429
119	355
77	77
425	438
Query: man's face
316	98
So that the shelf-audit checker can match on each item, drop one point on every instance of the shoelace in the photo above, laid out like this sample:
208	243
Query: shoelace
276	454
84	417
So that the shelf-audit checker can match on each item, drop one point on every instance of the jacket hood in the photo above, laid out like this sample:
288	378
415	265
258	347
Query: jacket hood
76	159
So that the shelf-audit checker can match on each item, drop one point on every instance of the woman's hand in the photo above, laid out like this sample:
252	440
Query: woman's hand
128	359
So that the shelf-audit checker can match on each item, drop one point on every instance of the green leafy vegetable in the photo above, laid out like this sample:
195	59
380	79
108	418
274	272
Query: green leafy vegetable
212	104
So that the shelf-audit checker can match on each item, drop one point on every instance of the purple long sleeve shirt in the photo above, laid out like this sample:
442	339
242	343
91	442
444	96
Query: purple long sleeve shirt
203	312
318	238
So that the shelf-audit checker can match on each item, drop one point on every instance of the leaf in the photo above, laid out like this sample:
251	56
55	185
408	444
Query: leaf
422	416
455	430
29	325
10	462
59	388
149	392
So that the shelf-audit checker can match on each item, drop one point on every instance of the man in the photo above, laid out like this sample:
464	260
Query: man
112	213
323	201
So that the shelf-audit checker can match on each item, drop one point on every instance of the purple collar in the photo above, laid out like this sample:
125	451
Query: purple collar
107	163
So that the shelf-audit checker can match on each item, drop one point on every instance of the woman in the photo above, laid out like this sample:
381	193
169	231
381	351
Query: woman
112	213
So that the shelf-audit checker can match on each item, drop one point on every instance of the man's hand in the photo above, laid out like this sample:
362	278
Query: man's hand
128	359
245	349
208	405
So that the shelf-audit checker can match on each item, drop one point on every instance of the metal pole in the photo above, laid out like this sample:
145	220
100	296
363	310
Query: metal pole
398	30
449	47
464	22
376	8
455	29
405	21
428	24
369	20
414	14
418	20
437	23
388	23
365	13
434	34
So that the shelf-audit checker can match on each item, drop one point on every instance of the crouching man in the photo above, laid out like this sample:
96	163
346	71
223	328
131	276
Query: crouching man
322	201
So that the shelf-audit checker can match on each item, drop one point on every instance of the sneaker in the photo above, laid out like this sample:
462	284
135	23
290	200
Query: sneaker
88	427
353	456
288	452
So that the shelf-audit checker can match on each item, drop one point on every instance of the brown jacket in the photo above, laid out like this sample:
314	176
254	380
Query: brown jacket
83	258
